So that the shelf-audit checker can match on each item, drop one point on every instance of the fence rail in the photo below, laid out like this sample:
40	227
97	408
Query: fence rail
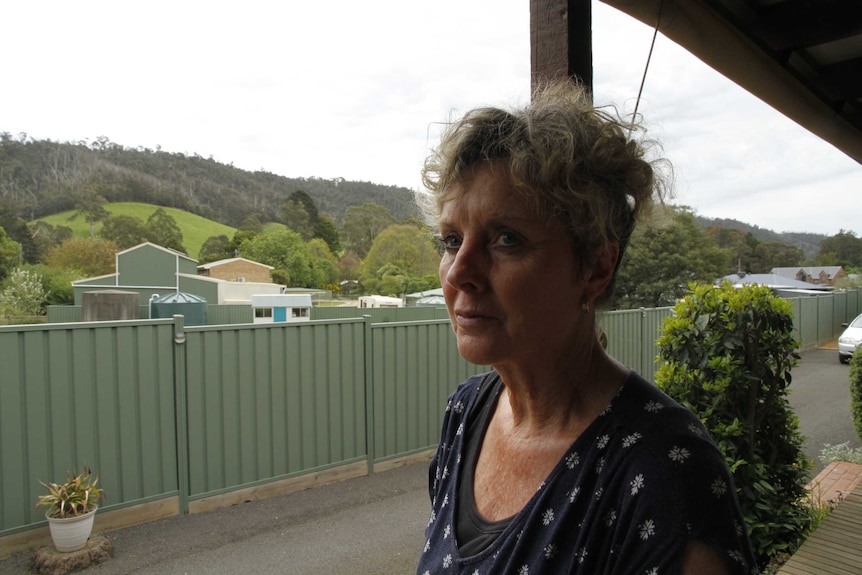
161	410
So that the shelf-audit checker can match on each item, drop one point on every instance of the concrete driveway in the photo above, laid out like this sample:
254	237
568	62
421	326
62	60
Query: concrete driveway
820	397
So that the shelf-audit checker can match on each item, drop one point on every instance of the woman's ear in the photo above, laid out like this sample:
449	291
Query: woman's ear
599	276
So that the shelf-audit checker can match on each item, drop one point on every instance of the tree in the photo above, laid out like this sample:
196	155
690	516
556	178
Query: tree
56	282
727	355
18	231
662	259
283	250
124	231
310	207
164	231
842	249
300	214
296	218
323	264
23	294
87	257
362	225
251	224
91	206
46	236
214	248
328	232
9	254
769	255
401	250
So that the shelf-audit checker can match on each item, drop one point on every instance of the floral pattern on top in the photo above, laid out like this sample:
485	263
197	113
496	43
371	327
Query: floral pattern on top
640	483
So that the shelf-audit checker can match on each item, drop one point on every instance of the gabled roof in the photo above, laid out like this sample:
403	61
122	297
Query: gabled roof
113	275
812	271
231	260
158	247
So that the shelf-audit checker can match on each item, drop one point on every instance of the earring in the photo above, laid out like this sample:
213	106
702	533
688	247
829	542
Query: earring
585	307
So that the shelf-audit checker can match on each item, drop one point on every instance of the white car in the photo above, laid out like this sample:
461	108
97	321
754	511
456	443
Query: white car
850	339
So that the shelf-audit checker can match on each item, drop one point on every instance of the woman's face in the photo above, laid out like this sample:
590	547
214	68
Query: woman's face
510	280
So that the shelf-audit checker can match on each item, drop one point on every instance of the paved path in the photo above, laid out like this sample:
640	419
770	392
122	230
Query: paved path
369	525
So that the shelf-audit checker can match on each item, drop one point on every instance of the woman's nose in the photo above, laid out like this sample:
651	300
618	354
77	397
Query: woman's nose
465	269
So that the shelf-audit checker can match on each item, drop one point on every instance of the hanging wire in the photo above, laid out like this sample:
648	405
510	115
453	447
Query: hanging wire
646	66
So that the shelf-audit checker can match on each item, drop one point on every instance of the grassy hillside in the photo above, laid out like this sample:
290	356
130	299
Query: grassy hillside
195	229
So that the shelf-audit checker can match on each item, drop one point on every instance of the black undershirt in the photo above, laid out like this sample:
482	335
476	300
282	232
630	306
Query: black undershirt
472	531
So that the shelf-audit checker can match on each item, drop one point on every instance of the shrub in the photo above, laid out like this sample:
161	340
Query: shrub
23	294
856	391
840	452
727	356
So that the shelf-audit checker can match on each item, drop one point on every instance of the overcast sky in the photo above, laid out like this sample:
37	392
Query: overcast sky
359	89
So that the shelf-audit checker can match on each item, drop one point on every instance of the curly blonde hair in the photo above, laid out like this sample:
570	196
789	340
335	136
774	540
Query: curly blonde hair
576	163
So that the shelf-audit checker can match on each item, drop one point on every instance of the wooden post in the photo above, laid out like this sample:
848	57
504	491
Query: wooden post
561	40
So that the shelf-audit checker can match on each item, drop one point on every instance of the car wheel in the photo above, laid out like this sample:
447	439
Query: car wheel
843	358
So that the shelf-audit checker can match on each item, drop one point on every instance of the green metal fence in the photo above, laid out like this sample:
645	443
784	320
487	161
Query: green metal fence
95	394
266	402
160	410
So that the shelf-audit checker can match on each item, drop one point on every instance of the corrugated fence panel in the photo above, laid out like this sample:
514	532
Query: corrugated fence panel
632	336
415	367
85	394
64	313
795	310
808	321
229	314
380	315
825	321
270	400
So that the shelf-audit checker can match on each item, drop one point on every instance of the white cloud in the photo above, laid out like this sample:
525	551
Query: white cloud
358	90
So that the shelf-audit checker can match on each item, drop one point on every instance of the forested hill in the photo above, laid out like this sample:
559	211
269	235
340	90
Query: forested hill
809	243
42	177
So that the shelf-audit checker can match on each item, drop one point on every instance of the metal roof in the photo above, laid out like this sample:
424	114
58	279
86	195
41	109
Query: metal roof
802	57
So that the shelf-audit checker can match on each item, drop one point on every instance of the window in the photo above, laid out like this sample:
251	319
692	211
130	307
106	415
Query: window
263	312
299	311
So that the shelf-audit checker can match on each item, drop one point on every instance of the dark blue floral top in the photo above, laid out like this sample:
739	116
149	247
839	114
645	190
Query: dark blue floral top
642	481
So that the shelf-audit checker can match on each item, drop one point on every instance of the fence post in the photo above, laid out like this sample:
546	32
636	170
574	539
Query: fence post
369	395
643	367
181	413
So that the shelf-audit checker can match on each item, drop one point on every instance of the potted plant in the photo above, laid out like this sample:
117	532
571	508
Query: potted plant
71	509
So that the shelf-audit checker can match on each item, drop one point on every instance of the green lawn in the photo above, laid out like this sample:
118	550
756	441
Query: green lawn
195	229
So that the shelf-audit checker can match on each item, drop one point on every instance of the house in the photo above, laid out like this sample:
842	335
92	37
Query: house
237	270
380	301
780	285
151	270
281	308
818	275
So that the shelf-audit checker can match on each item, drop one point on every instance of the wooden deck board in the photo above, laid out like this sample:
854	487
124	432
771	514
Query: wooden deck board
835	548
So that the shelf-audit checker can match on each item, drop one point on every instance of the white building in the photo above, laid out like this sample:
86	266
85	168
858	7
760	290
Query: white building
281	308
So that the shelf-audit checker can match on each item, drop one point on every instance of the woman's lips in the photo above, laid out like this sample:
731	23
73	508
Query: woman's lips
471	318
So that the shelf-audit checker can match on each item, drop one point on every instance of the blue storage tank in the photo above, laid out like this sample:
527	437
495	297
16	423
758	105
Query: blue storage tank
193	307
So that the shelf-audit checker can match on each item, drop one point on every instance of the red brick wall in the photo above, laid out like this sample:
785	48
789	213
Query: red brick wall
231	271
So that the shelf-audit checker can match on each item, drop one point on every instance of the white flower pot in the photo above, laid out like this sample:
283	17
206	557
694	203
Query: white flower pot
71	533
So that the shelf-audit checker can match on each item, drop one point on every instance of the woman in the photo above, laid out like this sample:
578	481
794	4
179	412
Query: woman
560	460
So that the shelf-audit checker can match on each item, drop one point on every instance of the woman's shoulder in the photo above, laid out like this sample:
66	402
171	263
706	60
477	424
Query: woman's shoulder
473	389
659	432
643	403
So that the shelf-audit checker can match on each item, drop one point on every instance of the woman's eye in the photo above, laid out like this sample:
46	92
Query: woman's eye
507	239
450	242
